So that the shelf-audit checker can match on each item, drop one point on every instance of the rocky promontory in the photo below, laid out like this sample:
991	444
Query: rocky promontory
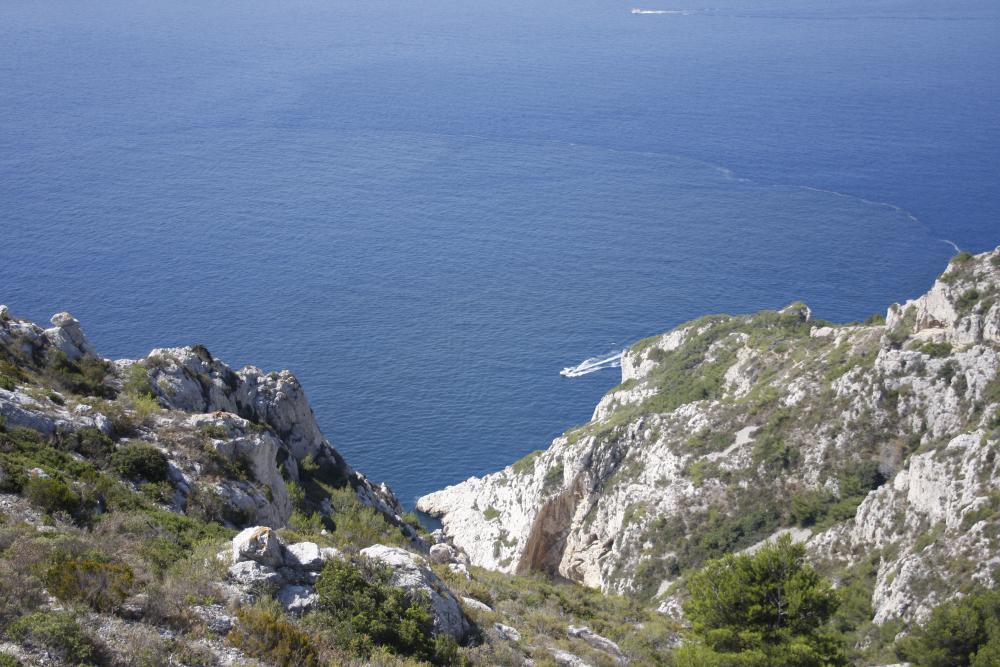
872	442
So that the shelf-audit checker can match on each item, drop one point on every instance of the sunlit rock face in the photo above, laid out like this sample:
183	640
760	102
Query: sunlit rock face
870	440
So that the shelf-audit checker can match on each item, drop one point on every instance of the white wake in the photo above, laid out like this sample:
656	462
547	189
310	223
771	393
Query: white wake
593	365
952	244
674	12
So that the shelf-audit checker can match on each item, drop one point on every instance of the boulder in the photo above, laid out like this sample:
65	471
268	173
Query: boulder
410	572
260	544
254	578
507	633
304	556
442	553
473	603
297	599
597	641
567	659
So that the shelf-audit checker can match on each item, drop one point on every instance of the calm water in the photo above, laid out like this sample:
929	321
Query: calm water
426	209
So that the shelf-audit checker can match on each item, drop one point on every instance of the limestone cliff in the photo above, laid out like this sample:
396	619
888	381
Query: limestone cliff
874	442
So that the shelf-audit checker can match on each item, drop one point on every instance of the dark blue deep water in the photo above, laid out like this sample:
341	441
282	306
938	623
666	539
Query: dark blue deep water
426	208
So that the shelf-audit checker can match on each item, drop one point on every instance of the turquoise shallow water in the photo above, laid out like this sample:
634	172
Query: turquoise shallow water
427	210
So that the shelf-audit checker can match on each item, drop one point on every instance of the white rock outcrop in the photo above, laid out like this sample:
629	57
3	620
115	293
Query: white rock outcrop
261	564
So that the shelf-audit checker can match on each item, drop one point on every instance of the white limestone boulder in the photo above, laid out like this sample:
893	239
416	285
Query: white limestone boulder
260	544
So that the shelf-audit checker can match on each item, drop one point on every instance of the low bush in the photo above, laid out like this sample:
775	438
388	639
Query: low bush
144	407
968	299
364	611
55	632
207	506
93	445
139	461
90	579
86	376
936	350
51	495
20	592
263	632
137	382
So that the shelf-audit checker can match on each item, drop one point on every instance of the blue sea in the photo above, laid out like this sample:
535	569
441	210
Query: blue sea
427	208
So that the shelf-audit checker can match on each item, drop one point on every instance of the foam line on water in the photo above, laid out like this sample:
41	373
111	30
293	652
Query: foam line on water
593	364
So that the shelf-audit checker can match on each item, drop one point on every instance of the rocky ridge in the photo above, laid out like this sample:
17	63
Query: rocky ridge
875	443
241	436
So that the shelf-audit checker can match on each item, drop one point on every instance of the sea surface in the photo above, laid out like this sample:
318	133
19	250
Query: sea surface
427	208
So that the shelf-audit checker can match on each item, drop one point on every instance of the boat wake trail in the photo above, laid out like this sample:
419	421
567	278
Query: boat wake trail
592	365
669	12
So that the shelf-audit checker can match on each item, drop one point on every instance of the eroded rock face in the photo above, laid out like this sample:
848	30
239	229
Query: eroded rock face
410	571
190	379
717	419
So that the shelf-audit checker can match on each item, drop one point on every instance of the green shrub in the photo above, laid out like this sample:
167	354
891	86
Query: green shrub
364	611
357	524
56	632
89	579
808	507
144	407
92	444
961	257
525	464
86	376
137	460
768	608
51	495
962	633
936	350
137	382
159	492
491	513
263	632
216	431
208	507
553	478
7	660
968	299
7	382
20	591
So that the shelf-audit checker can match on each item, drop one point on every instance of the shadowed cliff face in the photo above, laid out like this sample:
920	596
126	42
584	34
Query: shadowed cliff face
728	430
543	550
